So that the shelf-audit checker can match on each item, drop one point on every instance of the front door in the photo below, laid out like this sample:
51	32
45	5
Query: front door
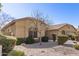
54	37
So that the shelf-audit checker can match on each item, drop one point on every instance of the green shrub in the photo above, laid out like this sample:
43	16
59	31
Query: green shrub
77	38
16	53
44	39
8	43
62	39
76	46
29	40
20	41
72	37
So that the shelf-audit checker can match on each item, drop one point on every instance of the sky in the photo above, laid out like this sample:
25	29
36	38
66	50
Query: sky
57	12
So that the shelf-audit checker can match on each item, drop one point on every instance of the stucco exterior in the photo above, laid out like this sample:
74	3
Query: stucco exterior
20	28
69	30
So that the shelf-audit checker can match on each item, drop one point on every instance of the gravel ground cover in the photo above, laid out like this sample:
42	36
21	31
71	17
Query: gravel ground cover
47	49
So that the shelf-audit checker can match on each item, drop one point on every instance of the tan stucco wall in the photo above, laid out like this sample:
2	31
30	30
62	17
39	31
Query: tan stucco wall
50	32
22	28
59	31
9	30
68	28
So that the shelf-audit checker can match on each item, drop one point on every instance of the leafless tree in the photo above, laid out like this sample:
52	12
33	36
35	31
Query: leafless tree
0	7
4	18
39	16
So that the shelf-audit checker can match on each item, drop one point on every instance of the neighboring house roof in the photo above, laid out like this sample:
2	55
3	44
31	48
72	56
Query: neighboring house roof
58	26
25	18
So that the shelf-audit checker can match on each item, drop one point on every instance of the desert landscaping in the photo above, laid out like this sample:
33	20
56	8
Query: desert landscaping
33	33
47	49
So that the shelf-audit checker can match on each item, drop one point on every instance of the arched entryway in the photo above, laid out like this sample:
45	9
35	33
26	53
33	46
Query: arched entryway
33	32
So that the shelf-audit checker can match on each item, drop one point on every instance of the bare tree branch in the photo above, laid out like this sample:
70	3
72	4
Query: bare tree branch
39	16
0	7
4	18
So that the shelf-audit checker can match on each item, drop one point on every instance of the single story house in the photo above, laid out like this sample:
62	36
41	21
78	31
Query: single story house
29	26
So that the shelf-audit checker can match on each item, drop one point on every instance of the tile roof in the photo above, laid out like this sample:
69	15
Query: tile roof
20	19
58	26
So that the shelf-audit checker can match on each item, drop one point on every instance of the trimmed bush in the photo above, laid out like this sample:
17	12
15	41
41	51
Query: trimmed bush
8	43
44	39
62	39
72	37
20	41
16	53
29	40
76	46
77	38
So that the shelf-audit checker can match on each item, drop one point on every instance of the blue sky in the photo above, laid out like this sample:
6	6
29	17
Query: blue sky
58	13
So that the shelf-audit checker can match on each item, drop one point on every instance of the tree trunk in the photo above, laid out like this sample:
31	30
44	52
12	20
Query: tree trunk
40	41
40	38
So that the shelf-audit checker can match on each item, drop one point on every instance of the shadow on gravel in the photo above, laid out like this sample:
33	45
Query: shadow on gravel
49	44
68	45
